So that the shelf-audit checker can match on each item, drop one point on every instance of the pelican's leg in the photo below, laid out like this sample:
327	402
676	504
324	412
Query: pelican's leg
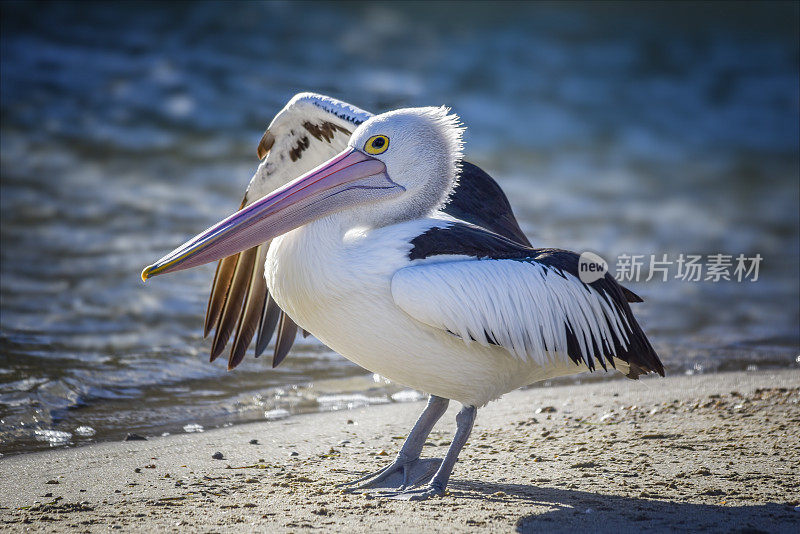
464	422
409	454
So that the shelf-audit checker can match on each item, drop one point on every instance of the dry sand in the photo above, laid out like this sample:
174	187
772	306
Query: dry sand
688	453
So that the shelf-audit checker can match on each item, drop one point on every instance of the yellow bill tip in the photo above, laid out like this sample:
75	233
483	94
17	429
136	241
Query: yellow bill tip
147	273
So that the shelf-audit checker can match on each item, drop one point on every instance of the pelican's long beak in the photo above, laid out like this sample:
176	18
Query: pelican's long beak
349	179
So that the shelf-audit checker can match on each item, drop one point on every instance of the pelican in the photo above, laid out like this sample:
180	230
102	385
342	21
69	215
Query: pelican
363	257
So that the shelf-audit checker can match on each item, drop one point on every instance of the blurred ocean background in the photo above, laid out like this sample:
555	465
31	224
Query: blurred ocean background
638	128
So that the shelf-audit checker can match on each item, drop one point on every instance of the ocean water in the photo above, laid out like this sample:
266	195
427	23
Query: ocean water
622	129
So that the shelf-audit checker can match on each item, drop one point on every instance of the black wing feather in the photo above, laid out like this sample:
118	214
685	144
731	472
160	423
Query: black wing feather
479	200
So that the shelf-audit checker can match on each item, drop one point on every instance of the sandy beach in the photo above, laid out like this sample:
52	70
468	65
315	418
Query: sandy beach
711	453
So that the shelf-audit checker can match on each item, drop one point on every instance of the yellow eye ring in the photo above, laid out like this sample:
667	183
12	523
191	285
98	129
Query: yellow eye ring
377	144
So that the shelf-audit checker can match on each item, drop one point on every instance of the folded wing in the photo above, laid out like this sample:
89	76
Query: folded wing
529	301
307	132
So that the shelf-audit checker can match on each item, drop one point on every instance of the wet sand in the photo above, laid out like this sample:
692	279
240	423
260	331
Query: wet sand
701	453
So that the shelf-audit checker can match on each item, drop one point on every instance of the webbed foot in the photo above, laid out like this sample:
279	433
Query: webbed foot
397	476
415	494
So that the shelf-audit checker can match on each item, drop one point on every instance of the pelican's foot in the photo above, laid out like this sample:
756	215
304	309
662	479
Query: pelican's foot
397	476
416	494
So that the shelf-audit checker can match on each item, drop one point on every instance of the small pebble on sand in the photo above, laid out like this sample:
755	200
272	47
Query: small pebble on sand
217	456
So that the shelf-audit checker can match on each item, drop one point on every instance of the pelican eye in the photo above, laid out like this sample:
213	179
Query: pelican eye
377	144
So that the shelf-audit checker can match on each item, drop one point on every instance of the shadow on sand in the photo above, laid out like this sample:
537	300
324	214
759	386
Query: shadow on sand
564	510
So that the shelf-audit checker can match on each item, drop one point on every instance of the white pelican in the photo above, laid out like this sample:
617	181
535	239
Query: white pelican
363	258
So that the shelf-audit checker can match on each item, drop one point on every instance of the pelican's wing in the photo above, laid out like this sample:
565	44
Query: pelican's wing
307	132
479	200
529	301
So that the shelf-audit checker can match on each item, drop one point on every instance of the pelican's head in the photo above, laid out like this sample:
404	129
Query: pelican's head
399	165
421	149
